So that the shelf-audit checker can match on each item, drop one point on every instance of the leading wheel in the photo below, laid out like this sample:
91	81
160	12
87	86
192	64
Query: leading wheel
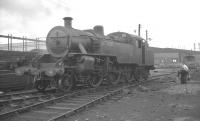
95	80
66	83
40	85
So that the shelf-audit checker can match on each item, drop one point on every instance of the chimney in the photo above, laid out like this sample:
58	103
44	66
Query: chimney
99	29
68	22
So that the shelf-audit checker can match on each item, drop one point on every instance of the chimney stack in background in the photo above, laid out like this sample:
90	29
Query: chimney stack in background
68	22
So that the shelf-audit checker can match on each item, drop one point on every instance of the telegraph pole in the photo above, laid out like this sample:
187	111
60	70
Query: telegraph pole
146	35
142	45
147	38
139	27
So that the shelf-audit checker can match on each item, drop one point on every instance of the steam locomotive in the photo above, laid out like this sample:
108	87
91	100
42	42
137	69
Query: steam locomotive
89	57
191	61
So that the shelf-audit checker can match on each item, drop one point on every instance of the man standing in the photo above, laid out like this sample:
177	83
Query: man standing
183	73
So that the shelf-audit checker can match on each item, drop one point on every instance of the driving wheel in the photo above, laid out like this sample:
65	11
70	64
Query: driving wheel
66	83
95	80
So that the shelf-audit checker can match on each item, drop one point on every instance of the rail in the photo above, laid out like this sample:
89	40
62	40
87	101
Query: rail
82	97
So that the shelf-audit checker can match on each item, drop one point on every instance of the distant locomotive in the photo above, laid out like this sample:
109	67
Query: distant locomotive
89	57
192	61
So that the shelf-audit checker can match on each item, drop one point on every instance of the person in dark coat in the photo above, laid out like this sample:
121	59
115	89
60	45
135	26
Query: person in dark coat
183	73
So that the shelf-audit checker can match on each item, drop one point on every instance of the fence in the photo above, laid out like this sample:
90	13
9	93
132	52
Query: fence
13	43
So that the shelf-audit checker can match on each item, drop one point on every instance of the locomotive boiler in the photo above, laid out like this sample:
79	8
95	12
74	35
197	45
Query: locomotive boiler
89	57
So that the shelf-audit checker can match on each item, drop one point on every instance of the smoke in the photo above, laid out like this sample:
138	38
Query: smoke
20	16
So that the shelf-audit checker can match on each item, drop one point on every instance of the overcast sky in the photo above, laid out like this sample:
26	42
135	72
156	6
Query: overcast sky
170	23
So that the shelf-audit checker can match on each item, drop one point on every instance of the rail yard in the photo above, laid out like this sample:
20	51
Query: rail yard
162	100
58	106
85	75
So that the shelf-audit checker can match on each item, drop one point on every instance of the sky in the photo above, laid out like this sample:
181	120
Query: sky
170	23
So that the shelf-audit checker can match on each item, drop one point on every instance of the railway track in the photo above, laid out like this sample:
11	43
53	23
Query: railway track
23	95
27	92
63	106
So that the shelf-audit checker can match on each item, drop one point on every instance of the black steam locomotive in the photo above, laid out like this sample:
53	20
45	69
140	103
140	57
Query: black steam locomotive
89	57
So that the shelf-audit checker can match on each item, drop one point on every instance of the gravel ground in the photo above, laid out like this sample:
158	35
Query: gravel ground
161	100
